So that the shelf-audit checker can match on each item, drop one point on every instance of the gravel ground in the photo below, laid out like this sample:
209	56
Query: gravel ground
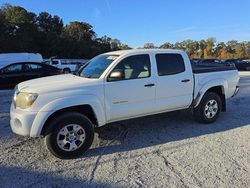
166	150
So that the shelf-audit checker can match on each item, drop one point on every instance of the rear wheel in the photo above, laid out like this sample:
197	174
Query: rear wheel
69	135
66	71
209	108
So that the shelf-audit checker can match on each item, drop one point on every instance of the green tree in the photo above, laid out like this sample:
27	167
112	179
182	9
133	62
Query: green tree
231	46
222	52
124	47
202	47
114	44
79	31
209	50
47	24
247	49
49	30
20	29
3	32
179	45
167	45
78	40
105	39
149	46
191	48
239	51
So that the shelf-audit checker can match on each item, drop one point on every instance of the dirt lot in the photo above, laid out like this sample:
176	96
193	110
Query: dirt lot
167	150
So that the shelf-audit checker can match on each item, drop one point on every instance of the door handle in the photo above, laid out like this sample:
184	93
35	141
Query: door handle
186	80
149	85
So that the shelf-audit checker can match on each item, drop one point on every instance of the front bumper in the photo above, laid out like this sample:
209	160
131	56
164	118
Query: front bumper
21	121
236	91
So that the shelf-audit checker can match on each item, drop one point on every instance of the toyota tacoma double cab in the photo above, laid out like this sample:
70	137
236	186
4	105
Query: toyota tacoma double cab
119	85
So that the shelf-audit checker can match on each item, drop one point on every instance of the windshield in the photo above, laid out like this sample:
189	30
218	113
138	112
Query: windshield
96	66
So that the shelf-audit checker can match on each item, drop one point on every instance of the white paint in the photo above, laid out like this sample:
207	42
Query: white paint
114	101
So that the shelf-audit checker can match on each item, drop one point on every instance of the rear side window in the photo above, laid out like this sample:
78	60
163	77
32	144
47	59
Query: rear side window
169	64
31	67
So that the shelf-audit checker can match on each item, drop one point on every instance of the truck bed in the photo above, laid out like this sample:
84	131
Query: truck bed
204	68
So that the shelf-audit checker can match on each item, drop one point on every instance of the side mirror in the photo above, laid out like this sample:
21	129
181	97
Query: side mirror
116	75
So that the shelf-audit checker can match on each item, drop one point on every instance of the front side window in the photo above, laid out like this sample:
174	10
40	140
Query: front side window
168	64
134	67
13	69
96	66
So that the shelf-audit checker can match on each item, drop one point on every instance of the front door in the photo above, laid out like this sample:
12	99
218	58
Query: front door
11	76
134	94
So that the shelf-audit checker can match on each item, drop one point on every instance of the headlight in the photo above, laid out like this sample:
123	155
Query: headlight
24	100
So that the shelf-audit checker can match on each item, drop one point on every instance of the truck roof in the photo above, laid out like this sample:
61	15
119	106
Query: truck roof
123	52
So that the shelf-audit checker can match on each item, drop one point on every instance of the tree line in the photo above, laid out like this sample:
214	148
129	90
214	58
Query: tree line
210	48
24	31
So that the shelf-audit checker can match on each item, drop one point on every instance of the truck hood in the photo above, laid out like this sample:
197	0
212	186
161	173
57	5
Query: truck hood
56	83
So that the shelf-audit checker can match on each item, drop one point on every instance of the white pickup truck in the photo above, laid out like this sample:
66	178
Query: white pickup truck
66	65
115	86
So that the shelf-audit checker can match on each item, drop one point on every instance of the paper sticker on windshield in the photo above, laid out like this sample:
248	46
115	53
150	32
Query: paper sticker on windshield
112	57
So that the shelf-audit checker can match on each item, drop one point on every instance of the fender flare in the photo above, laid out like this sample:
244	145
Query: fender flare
206	86
65	102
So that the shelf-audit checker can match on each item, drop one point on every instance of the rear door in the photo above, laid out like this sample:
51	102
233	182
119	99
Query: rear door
174	88
32	70
134	95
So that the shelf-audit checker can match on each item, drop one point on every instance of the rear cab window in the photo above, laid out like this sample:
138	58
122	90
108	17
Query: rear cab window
168	64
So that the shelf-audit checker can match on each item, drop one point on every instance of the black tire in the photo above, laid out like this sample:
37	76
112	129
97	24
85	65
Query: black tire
200	111
66	71
60	122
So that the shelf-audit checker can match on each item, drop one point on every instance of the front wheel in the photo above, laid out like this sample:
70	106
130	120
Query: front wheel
69	135
209	108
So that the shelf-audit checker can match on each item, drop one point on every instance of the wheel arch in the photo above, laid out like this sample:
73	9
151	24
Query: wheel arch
67	68
216	86
86	110
89	105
